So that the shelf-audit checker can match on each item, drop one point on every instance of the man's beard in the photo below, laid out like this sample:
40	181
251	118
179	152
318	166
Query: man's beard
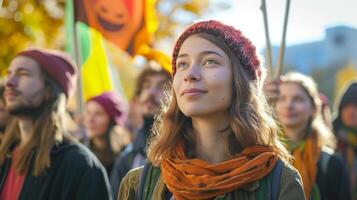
26	107
26	110
153	111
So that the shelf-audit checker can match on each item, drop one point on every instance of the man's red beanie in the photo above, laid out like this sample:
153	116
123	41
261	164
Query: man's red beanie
57	65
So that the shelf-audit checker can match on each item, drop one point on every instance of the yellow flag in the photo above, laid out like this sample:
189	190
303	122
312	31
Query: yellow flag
96	77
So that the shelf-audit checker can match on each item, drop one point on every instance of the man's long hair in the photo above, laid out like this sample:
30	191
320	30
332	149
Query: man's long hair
47	131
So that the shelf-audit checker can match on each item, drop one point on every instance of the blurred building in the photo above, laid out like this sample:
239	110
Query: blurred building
331	61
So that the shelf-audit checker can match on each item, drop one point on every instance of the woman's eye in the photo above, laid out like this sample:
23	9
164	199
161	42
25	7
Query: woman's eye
182	65
210	62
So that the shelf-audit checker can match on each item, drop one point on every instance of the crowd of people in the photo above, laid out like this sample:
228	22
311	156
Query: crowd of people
212	128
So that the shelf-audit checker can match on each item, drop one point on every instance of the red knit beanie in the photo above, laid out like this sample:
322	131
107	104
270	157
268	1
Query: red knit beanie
113	106
231	37
57	65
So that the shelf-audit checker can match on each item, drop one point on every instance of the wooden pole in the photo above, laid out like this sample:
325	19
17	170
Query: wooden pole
282	45
268	56
77	55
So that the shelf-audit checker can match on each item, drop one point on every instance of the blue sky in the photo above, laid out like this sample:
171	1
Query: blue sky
308	19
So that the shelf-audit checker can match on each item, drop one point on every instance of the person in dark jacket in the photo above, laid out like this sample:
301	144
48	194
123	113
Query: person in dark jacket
345	128
38	159
149	93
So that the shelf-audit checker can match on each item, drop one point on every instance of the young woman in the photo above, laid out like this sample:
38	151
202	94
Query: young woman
105	113
216	138
345	127
309	139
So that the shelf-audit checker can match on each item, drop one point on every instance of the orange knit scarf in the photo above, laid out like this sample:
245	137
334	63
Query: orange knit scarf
196	179
306	156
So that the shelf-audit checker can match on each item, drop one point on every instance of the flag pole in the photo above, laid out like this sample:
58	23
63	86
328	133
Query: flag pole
282	45
0	5
77	55
268	56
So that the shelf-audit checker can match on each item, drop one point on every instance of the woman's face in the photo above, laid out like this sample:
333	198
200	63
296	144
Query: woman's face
203	80
349	115
293	107
96	120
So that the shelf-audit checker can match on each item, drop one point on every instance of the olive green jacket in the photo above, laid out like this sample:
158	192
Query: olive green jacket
290	187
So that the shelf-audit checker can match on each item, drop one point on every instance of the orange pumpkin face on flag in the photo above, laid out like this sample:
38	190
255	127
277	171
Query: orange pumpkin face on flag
117	20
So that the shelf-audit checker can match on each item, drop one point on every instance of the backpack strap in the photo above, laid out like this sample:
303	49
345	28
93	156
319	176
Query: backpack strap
263	192
276	176
147	181
270	184
142	180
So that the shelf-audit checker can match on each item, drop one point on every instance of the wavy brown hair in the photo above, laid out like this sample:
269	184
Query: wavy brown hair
251	118
316	124
47	131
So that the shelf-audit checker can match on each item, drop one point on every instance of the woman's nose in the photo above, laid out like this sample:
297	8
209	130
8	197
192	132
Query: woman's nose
193	73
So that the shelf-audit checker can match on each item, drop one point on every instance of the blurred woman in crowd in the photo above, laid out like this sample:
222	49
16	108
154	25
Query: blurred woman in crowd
310	141
345	127
216	139
103	120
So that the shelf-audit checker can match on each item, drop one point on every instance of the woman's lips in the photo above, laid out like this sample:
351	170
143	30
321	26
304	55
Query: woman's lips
193	92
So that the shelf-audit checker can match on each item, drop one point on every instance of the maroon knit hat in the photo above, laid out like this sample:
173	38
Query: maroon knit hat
231	37
57	65
113	106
